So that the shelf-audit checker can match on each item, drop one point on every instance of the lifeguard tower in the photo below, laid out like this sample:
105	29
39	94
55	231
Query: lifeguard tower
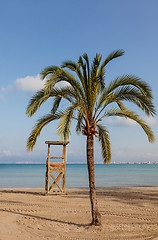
52	167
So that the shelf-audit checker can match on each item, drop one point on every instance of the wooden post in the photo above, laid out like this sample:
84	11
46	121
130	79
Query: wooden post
64	160
56	167
47	170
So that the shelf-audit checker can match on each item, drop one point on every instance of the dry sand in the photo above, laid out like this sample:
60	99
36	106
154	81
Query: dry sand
127	213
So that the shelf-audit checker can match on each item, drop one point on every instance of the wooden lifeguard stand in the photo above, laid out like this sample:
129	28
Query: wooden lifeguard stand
55	167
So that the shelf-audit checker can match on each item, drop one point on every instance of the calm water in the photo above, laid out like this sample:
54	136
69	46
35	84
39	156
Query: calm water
114	175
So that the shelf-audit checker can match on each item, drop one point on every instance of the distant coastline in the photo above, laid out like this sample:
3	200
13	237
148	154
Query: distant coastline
113	163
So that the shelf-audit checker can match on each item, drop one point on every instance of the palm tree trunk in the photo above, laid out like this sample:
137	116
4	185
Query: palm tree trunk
96	217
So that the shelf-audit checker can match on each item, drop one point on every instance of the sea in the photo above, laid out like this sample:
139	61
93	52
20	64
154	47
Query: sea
112	175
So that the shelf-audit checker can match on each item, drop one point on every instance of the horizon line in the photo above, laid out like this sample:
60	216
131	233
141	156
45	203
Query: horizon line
81	163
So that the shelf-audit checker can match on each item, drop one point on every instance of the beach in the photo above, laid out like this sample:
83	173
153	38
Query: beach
127	213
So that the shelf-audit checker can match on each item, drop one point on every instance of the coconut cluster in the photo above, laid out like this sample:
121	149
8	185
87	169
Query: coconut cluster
89	130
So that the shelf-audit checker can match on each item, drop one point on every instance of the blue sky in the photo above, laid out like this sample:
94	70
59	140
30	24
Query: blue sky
36	34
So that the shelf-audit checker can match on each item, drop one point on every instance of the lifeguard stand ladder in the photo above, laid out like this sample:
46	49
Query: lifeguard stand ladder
55	167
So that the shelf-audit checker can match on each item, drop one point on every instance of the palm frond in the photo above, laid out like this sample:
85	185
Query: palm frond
57	74
39	126
67	93
85	56
130	80
51	82
97	80
73	66
100	80
135	117
111	56
105	143
50	70
41	97
120	104
131	94
56	103
93	83
84	80
79	121
35	102
65	121
95	65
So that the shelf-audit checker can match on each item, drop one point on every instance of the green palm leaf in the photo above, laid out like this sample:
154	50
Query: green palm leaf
111	56
136	118
85	56
73	66
35	102
39	126
79	121
56	104
65	121
130	80
105	143
127	93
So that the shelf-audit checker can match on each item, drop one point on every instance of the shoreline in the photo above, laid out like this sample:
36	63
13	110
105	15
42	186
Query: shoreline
127	213
96	163
77	188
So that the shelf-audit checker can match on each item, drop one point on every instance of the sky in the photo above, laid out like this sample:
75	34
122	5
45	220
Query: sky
36	34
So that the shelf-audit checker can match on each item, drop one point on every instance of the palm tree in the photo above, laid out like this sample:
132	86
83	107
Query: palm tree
90	99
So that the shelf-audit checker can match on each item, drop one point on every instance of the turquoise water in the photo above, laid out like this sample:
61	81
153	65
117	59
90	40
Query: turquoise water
114	175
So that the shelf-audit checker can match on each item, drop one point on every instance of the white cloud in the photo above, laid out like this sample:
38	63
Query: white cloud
116	121
28	83
123	122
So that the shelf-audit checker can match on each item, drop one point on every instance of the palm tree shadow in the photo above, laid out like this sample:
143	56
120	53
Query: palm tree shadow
118	194
37	193
132	197
46	219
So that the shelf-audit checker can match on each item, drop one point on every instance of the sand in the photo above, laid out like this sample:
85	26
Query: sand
127	213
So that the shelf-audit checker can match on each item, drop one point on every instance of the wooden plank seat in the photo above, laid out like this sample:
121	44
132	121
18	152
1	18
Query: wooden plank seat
56	165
